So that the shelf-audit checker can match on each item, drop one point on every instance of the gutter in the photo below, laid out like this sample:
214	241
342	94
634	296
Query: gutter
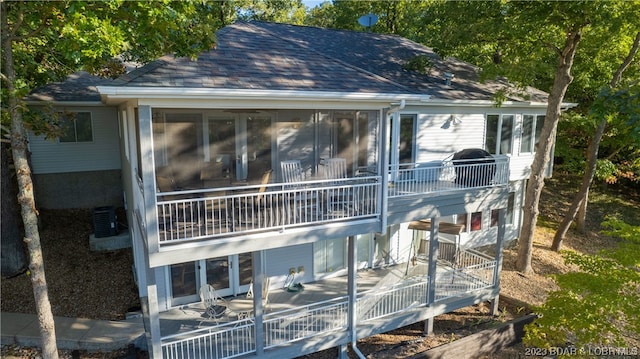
117	92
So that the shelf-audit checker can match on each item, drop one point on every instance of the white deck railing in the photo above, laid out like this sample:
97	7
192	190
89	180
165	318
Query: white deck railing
465	271
196	214
227	340
469	271
299	323
412	178
381	302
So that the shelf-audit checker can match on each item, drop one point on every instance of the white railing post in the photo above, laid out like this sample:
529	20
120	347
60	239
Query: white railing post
258	275
502	214
352	294
432	268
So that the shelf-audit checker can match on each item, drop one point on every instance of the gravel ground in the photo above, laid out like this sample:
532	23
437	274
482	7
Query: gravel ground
97	285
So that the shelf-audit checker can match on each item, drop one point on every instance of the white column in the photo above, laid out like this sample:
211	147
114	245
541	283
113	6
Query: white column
502	216
432	268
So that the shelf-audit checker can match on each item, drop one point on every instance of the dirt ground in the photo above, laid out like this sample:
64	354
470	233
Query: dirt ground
100	285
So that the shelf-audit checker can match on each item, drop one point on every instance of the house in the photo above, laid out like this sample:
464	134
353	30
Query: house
316	158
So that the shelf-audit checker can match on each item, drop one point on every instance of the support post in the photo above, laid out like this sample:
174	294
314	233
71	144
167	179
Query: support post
432	268
147	171
342	352
258	275
502	215
153	312
383	149
351	285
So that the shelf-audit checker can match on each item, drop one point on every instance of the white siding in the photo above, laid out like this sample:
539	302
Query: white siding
280	260
438	137
103	153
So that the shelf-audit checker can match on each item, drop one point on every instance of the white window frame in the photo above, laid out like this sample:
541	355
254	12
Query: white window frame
499	135
535	132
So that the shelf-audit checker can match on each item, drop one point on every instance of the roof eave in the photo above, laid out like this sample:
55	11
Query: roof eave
116	94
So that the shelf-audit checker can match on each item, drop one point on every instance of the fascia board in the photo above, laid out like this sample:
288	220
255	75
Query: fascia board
113	92
65	103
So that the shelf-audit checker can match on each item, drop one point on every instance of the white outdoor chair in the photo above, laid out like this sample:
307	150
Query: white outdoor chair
304	202
292	171
214	305
335	168
243	307
339	200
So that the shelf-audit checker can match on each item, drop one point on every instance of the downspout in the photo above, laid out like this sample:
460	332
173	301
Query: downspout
353	295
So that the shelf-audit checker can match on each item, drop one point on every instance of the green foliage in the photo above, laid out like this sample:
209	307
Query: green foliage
620	146
598	305
284	11
420	64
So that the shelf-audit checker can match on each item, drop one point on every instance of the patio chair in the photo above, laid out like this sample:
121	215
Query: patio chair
339	200
243	307
214	305
254	210
292	171
173	216
304	203
335	168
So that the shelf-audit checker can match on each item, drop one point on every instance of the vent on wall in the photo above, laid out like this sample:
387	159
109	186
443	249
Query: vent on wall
104	222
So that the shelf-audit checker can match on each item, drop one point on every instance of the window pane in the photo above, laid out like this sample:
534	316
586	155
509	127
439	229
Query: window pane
84	132
76	127
476	221
527	134
508	215
67	124
491	134
506	134
511	201
406	139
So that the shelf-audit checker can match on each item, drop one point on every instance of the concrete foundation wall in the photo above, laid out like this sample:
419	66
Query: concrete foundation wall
79	189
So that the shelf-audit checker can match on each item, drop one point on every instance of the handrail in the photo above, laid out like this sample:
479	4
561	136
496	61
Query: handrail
227	211
221	341
451	175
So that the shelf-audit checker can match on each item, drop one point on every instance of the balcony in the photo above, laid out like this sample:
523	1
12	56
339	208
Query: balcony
211	213
319	315
442	177
241	210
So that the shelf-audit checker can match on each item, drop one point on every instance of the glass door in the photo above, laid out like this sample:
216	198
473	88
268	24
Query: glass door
218	274
229	275
222	148
184	283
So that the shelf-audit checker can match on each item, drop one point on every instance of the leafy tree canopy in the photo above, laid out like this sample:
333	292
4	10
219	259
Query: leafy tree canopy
598	305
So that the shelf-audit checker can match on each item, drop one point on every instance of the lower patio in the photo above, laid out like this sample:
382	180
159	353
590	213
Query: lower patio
318	317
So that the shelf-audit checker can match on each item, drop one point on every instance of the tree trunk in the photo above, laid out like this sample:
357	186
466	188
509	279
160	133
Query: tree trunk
579	204
543	156
26	198
12	251
581	219
592	156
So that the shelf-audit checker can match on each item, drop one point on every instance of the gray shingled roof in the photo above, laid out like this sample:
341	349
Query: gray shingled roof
271	56
78	87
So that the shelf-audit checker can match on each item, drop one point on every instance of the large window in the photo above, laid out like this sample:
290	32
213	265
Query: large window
499	134
531	128
76	127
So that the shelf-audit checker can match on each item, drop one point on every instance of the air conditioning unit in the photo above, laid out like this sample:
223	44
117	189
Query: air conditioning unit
104	222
